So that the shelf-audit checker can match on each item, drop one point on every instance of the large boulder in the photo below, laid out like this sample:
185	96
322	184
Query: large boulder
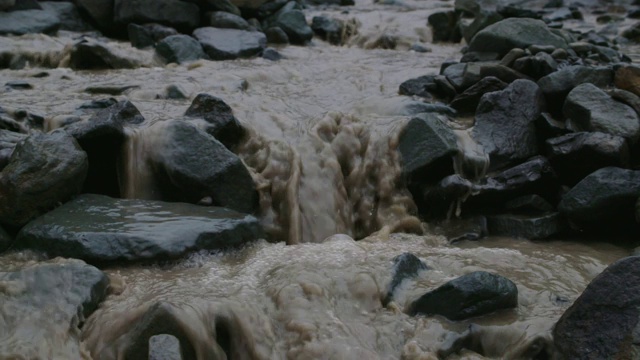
68	14
229	44
28	22
591	109
474	294
101	229
48	303
43	171
179	49
191	165
511	33
603	322
181	15
577	155
92	54
225	20
294	24
99	11
505	123
604	200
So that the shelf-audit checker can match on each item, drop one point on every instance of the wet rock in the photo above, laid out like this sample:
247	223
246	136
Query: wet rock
28	22
405	266
507	34
602	323
219	116
577	155
501	72
229	44
557	85
482	19
180	49
427	146
444	26
528	204
7	4
90	54
68	14
542	64
421	86
591	109
191	165
275	35
505	123
271	54
627	77
44	170
603	201
437	202
177	14
462	75
225	20
532	227
515	11
10	121
100	229
175	92
328	29
474	294
419	48
54	298
98	104
164	347
467	102
147	35
294	25
19	85
99	11
512	56
110	90
218	5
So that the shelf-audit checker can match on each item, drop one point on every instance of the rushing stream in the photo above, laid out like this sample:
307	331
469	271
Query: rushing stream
324	123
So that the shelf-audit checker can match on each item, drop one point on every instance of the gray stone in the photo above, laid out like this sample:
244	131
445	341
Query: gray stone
557	85
577	155
294	25
603	201
513	55
542	64
444	26
603	322
91	54
528	205
180	49
482	19
28	22
44	170
229	44
590	109
221	123
474	294
271	54
275	35
505	123
68	14
525	226
328	29
147	35
100	11
100	229
422	86
177	14
501	72
467	102
225	20
511	33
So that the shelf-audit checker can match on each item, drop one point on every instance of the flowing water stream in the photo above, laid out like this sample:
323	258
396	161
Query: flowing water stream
324	123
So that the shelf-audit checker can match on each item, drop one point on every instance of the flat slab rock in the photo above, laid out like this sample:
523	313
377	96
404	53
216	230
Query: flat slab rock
229	44
100	229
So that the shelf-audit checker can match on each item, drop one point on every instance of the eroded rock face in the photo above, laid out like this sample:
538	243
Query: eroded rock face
100	229
43	171
603	322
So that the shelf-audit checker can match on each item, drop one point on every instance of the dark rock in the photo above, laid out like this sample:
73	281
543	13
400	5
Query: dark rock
271	54
501	72
535	49
25	5
328	29
90	54
464	229
421	86
505	123
294	25
507	34
5	240
225	20
44	170
177	14
467	102
577	155
67	290
219	5
474	294
482	19
28	22
627	77
175	92
180	49
557	85
68	14
542	64
532	227
331	2
229	44
602	323
143	36
275	35
405	266
190	165
462	75
100	229
164	347
591	109
528	205
514	11
221	123
99	11
19	85
98	104
604	201
444	26
512	56
5	5
110	89
548	127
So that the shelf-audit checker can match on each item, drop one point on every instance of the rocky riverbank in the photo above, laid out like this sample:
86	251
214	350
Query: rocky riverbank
532	132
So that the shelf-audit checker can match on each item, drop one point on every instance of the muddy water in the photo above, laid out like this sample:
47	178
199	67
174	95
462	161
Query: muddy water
324	123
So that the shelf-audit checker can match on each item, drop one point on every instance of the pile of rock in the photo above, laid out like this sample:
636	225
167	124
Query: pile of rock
558	119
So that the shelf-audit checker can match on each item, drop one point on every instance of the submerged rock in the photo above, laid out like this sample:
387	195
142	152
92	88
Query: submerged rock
405	266
44	170
225	20
100	229
229	44
603	322
474	294
99	11
49	302
179	49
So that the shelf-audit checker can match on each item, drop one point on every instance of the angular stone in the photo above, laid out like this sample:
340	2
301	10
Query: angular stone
44	170
481	20
528	205
68	14
405	266
225	20
100	229
143	36
99	11
229	44
444	26
294	25
627	77
222	124
28	22
557	85
530	227
603	322
467	102
328	29
180	49
474	294
421	86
